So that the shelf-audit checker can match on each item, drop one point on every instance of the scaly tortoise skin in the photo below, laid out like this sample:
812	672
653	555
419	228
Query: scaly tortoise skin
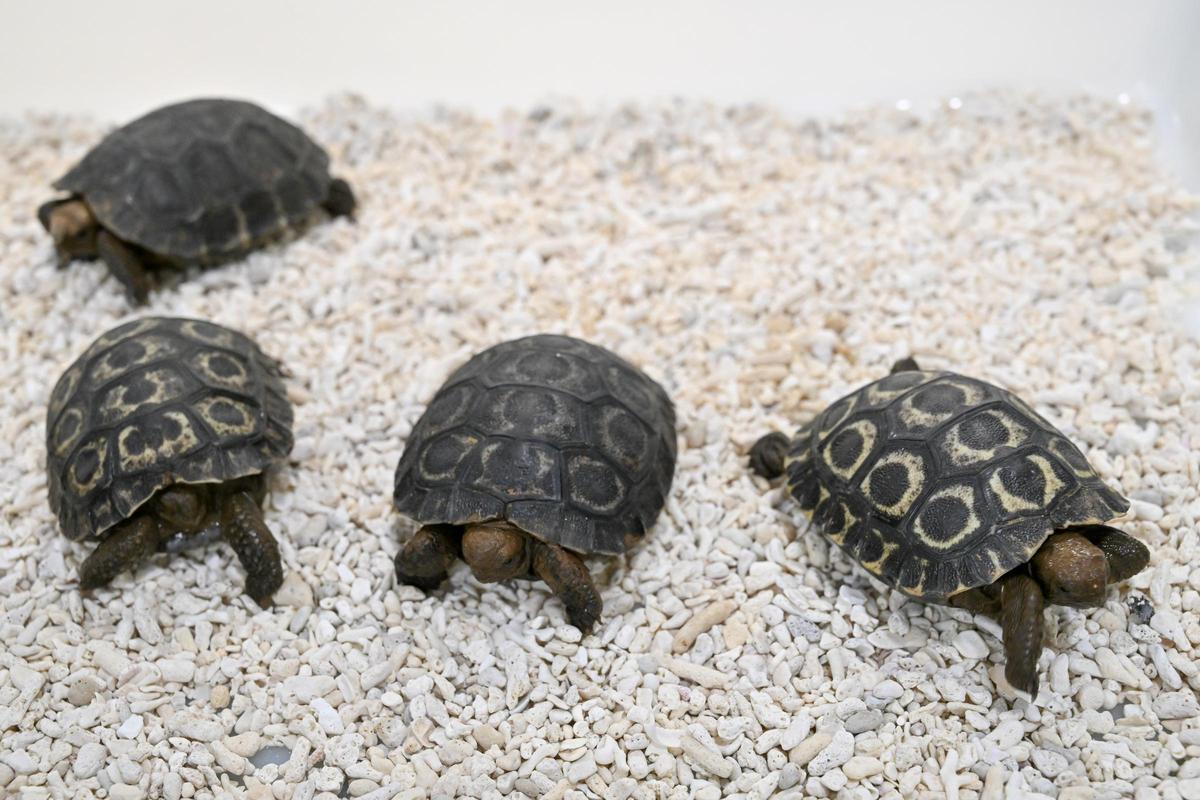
940	485
155	405
197	182
548	436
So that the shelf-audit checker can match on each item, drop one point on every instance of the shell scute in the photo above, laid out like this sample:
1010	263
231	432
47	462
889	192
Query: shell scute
594	485
160	193
848	447
530	413
1029	483
515	469
439	460
126	355
128	394
979	437
897	478
621	437
163	437
221	368
934	403
951	517
832	417
883	392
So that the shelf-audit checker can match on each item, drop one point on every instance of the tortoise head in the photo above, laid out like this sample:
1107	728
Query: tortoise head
73	227
496	552
1071	570
184	508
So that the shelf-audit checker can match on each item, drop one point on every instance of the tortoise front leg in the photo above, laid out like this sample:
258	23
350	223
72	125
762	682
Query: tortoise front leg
124	549
1126	556
1021	619
243	528
125	265
568	577
424	562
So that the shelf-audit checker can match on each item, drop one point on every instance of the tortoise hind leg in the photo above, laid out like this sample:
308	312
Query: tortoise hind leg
125	266
768	454
1021	619
124	549
568	577
424	562
905	365
243	528
340	201
1126	556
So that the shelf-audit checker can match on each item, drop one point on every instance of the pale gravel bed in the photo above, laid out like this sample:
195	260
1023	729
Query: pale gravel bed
757	266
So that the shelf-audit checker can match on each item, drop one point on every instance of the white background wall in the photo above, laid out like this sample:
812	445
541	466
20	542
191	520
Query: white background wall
116	58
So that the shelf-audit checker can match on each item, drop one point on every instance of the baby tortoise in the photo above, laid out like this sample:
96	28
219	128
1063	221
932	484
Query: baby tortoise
158	437
954	491
533	453
192	183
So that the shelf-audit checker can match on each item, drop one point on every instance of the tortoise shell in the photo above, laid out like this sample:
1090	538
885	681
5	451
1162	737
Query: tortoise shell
562	438
159	401
202	180
937	483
